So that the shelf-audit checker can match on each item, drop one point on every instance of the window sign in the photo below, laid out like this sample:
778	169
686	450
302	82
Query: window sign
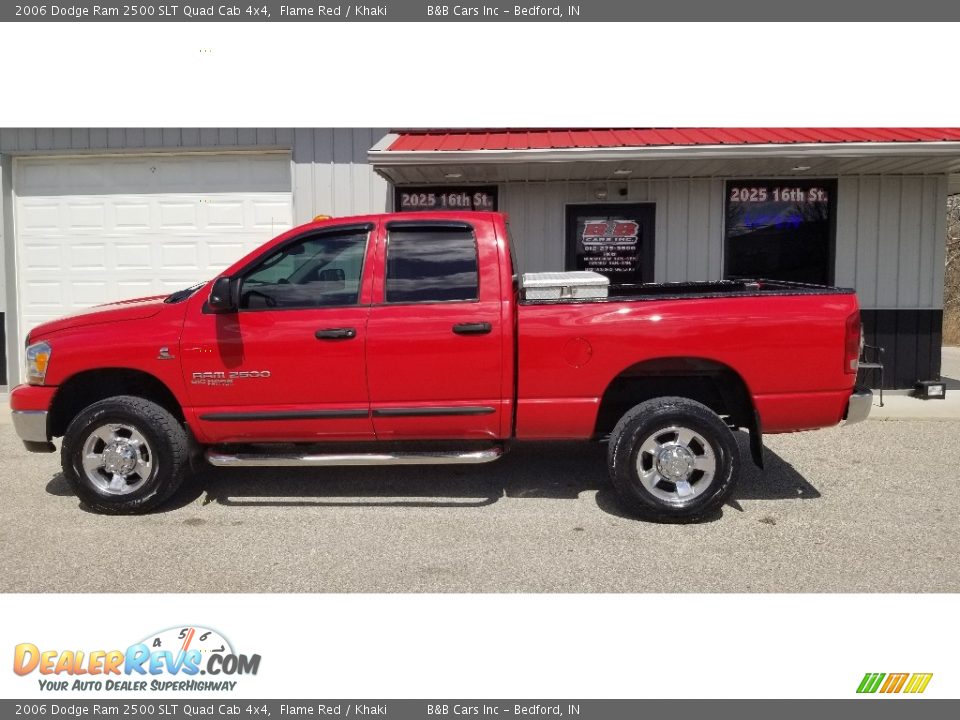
615	240
781	229
421	199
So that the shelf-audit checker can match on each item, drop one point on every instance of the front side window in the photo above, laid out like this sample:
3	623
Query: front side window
319	271
432	264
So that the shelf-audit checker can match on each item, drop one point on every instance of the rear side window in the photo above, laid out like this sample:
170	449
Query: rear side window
432	264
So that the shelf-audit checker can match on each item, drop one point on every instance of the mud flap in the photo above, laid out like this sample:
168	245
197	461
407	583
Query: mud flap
756	441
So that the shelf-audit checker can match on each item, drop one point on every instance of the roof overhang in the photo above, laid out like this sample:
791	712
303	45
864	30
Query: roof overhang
414	166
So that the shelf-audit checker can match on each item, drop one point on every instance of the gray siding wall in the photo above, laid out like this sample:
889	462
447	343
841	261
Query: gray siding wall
890	231
689	222
890	240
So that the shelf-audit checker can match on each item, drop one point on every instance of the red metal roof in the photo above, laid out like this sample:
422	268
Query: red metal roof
549	139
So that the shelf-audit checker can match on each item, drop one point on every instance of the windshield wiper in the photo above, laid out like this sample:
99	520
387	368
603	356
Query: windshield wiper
181	295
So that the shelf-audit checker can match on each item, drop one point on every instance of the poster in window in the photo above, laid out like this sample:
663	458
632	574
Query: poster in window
613	240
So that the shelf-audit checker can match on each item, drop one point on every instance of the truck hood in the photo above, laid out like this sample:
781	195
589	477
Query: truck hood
136	309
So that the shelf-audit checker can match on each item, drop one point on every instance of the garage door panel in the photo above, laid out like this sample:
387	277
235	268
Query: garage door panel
95	230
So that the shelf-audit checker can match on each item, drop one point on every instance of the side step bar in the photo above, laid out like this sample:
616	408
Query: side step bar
249	459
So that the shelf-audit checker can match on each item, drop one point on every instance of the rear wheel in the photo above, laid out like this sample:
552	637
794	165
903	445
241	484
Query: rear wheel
125	455
673	458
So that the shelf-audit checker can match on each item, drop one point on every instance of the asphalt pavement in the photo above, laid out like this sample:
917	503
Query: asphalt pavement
870	508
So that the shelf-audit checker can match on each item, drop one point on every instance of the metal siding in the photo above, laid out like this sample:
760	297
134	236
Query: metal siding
939	244
98	138
27	139
45	138
698	230
304	199
715	230
928	242
848	204
888	241
689	222
8	256
908	263
678	228
660	194
868	228
136	137
209	137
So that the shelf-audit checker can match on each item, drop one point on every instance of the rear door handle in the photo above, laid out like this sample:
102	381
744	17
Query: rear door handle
472	328
336	334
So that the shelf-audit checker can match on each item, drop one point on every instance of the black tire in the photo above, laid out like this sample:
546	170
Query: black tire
167	450
642	425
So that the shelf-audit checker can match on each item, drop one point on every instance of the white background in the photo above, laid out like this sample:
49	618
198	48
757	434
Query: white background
520	75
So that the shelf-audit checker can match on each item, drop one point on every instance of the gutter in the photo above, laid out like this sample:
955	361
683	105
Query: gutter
380	156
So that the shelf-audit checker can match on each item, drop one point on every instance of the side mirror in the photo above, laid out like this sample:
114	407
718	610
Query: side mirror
223	295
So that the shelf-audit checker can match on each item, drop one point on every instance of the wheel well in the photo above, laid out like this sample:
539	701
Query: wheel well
713	384
86	388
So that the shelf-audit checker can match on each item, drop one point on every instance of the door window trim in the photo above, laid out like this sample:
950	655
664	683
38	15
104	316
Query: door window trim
254	264
431	224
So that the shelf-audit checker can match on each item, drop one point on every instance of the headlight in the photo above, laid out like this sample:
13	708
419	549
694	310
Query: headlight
38	358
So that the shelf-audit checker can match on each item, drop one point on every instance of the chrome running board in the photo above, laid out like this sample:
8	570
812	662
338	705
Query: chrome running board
250	459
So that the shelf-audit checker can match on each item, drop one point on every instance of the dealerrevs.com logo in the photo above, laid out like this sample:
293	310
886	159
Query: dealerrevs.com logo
189	658
893	683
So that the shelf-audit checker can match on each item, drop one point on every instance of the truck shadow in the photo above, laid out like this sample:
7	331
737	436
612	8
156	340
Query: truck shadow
556	471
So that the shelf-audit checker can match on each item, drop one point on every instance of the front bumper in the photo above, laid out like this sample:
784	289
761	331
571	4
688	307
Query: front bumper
858	407
30	404
31	425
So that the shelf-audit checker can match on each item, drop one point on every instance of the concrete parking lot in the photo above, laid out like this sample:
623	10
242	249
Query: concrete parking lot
873	508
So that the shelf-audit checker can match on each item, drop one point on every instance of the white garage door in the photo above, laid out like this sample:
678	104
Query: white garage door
98	229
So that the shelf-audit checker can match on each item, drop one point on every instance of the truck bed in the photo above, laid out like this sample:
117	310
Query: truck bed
746	287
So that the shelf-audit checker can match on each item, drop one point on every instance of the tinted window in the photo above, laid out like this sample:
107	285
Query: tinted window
318	271
781	229
432	265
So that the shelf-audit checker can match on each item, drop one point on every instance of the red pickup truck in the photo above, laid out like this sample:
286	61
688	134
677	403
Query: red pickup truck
403	339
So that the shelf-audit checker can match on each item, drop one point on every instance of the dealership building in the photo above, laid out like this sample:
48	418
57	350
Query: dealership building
94	215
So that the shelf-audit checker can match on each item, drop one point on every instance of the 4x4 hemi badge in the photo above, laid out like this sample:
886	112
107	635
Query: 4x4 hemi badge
894	682
226	377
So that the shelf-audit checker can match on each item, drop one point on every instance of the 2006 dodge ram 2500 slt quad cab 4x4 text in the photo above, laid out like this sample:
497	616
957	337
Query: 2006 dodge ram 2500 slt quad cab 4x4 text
406	339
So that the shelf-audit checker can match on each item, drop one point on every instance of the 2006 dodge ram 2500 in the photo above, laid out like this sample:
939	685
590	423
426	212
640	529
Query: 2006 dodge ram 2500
404	339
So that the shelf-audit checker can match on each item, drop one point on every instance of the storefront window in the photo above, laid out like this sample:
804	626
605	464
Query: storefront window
614	239
781	229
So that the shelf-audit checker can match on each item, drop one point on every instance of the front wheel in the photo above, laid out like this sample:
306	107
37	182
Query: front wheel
124	455
673	458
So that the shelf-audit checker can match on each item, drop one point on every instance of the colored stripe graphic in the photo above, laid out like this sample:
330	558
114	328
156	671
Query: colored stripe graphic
918	683
870	682
895	683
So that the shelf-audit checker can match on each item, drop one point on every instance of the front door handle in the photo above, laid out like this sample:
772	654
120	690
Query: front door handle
336	334
472	328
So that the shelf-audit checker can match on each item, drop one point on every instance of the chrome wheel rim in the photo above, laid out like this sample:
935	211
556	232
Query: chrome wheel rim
117	459
676	464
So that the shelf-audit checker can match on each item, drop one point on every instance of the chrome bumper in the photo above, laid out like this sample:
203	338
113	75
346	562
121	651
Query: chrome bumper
31	425
858	407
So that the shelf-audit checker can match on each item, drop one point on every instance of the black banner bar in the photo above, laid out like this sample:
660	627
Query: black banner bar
868	708
484	11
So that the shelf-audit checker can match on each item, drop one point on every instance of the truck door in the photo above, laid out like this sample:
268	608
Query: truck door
434	344
289	364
